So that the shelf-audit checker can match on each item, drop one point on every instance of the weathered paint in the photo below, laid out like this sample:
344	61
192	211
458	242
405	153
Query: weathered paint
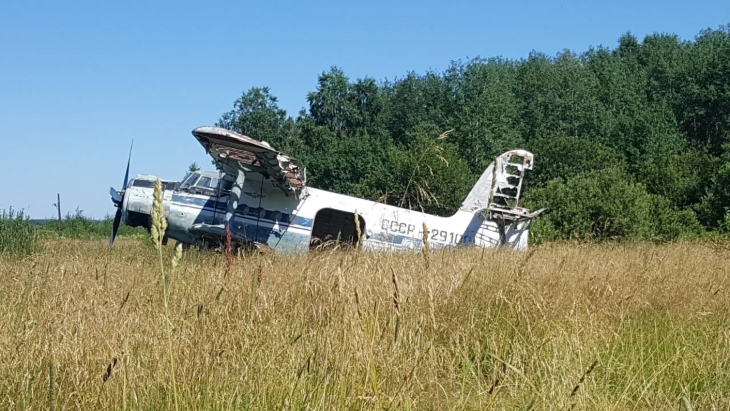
232	151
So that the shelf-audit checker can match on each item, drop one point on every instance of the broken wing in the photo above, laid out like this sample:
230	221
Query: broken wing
232	151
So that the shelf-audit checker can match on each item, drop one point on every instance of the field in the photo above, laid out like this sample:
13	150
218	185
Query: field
563	326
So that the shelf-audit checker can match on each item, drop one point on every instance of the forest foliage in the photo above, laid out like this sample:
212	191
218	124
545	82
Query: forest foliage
630	142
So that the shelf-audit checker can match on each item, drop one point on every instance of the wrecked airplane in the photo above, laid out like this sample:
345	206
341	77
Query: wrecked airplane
260	196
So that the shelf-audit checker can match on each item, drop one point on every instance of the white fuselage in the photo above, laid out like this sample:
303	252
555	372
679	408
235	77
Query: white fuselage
286	223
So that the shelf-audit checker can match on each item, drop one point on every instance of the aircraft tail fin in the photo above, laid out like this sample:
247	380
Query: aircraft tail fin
499	188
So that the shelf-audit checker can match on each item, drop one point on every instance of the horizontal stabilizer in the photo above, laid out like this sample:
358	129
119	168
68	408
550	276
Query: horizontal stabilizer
116	197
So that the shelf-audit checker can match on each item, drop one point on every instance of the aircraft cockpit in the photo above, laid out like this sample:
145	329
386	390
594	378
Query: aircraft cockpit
207	183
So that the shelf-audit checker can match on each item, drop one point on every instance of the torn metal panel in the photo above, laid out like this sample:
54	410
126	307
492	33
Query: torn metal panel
232	151
500	185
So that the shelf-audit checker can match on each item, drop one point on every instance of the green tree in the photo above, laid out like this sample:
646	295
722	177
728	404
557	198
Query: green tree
564	157
256	114
487	119
427	176
604	205
330	105
703	105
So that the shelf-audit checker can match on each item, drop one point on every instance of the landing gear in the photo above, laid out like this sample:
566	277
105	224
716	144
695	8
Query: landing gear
135	219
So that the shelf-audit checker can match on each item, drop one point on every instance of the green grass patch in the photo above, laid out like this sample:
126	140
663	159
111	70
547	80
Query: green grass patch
18	235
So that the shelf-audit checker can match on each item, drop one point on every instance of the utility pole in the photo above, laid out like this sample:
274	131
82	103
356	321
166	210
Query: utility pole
58	206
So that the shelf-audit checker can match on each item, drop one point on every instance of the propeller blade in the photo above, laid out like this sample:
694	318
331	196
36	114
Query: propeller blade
119	200
115	226
126	174
116	197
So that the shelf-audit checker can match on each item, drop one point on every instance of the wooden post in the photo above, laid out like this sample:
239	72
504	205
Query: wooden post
58	206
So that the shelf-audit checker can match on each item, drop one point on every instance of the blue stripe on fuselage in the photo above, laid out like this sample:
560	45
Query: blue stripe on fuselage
212	205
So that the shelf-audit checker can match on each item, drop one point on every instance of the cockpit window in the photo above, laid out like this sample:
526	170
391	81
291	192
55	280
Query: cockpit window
207	182
190	179
203	182
143	183
166	185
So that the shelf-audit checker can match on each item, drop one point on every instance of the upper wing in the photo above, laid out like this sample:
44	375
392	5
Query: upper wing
232	151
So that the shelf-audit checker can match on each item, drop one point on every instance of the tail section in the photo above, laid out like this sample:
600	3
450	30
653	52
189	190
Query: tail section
497	192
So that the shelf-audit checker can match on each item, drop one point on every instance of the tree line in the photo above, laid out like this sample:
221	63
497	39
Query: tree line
630	142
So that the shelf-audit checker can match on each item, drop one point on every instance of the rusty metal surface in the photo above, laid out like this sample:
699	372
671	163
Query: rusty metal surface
231	150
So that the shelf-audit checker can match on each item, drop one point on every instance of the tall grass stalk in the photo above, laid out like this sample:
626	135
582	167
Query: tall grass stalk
157	231
423	194
425	249
358	231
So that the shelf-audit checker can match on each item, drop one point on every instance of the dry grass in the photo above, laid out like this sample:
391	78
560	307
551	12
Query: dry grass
560	327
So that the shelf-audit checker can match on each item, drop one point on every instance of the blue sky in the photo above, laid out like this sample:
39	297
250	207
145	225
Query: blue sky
80	80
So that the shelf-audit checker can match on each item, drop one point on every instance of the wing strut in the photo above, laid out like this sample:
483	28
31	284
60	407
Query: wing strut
217	233
233	198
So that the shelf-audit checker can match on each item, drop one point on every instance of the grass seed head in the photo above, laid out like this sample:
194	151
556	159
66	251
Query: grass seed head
159	222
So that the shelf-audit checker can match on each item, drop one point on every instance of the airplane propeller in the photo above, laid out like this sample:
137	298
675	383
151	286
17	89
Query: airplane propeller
118	200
